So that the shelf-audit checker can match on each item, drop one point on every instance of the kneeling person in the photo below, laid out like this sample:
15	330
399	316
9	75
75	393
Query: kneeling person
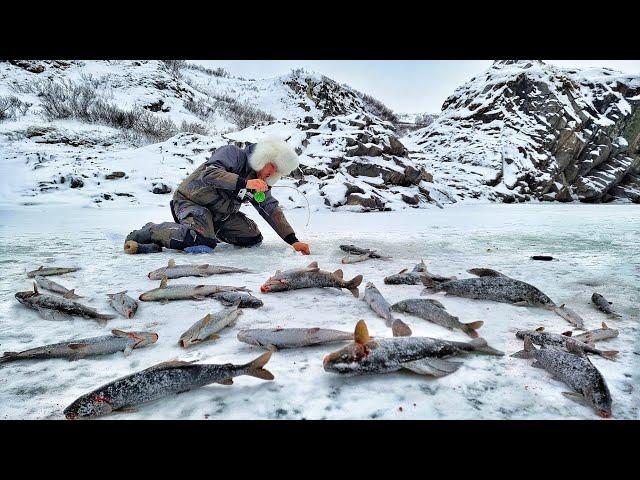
206	205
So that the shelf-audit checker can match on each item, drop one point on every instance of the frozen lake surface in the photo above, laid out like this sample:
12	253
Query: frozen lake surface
597	248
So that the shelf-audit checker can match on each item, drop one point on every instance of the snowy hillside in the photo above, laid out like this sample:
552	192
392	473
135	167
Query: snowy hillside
109	133
524	129
114	132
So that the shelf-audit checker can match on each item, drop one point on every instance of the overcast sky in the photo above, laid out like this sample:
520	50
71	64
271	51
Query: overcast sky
411	86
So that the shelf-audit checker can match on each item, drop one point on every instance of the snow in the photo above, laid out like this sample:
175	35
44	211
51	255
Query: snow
596	249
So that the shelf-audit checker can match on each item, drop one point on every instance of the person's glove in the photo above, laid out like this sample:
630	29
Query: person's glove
301	247
257	185
199	249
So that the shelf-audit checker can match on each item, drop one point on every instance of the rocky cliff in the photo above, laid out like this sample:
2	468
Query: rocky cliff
526	130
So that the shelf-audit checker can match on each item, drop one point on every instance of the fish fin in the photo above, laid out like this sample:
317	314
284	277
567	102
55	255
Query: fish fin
226	381
126	410
312	267
213	336
206	319
402	271
35	288
353	284
435	367
236	304
609	354
53	315
338	274
255	367
480	345
400	329
199	297
361	333
470	328
568	333
528	351
163	282
576	397
119	333
127	351
520	304
169	364
164	301
435	302
540	329
204	266
171	263
71	294
605	326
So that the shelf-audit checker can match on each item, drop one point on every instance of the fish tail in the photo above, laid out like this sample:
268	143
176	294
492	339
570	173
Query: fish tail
353	284
528	351
609	354
470	328
255	368
429	282
481	345
400	329
9	356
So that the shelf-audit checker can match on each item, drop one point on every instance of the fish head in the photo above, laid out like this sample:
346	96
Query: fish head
400	306
88	406
274	284
600	399
23	297
345	360
247	336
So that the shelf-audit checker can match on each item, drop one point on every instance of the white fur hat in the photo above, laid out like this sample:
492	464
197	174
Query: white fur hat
277	151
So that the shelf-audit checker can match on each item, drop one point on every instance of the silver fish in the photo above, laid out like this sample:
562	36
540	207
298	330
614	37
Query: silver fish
246	299
603	304
570	316
176	271
357	254
539	337
206	328
379	304
43	272
414	277
422	355
159	381
118	341
573	367
123	304
52	307
308	277
434	311
598	335
165	292
52	286
275	338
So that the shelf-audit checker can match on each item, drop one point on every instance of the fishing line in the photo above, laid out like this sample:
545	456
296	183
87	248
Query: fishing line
285	186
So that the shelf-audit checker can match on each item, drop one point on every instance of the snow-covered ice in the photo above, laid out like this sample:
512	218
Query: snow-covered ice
596	247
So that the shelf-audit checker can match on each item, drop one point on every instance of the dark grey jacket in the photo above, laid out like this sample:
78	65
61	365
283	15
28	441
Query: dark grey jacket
215	184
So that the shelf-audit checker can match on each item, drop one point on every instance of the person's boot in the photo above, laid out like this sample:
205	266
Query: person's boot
133	248
167	234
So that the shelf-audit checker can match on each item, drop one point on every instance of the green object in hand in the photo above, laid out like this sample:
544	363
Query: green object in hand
259	197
